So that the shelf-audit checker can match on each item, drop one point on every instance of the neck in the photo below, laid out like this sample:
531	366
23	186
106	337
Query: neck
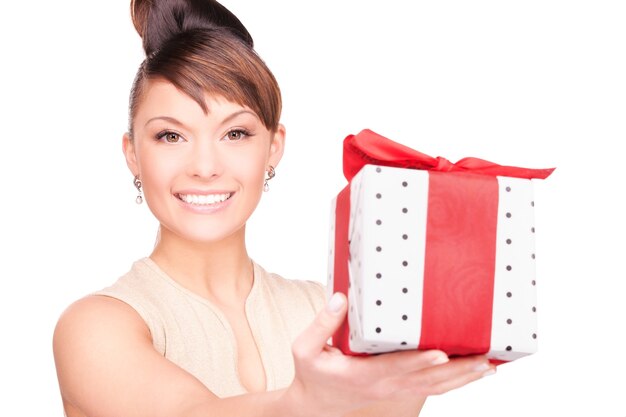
219	271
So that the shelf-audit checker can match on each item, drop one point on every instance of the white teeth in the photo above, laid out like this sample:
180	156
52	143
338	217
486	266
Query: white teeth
204	199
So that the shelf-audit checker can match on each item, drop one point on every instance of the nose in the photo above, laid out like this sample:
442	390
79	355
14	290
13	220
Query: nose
204	160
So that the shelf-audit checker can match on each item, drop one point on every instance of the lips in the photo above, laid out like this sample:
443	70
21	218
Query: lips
203	199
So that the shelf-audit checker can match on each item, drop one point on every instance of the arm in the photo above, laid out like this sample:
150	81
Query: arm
405	408
107	366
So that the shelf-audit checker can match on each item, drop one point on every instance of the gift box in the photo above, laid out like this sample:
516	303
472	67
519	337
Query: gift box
433	255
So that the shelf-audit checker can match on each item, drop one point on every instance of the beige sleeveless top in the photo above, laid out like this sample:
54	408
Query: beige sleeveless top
189	331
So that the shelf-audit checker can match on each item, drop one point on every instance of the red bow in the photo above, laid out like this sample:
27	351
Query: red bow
371	148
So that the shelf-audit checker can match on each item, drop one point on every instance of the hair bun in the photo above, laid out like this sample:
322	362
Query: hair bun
156	21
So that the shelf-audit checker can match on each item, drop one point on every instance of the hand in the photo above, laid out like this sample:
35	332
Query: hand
329	383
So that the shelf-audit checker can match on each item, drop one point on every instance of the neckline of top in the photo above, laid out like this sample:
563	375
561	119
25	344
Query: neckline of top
257	274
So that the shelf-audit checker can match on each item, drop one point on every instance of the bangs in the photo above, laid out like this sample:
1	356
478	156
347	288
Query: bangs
203	61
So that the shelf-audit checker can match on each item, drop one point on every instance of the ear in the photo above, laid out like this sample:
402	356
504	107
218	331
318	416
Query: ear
128	147
277	147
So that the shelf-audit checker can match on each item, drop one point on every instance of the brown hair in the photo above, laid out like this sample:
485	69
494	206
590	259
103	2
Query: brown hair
201	47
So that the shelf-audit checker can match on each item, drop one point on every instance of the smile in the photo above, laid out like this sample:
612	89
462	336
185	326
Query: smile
203	199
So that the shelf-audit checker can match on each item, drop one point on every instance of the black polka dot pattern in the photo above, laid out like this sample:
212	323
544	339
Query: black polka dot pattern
383	262
514	321
384	316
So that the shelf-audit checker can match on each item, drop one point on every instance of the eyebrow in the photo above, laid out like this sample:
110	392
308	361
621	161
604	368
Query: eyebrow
179	123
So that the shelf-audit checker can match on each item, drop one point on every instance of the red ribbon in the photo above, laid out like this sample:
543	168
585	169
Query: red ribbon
460	251
371	148
341	275
459	263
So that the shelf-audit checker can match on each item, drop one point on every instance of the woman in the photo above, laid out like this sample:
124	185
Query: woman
198	328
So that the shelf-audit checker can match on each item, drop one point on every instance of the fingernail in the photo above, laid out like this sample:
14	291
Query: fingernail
439	359
481	367
335	304
489	372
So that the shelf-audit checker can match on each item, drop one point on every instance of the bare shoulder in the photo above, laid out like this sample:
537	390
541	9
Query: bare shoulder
84	330
106	364
98	314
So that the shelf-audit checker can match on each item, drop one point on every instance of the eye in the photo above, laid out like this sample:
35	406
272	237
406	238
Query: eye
169	137
236	135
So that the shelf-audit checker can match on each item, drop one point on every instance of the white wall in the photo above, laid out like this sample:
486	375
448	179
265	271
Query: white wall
539	83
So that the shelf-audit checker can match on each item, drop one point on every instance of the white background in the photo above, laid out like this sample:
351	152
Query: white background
539	83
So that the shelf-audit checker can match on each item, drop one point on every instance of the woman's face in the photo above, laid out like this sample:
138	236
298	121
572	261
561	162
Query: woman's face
202	174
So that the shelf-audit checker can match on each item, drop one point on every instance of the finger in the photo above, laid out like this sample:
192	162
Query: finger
463	379
442	378
314	339
450	384
401	363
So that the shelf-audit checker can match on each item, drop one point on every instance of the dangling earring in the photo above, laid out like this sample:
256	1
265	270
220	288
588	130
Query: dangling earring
270	174
137	183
